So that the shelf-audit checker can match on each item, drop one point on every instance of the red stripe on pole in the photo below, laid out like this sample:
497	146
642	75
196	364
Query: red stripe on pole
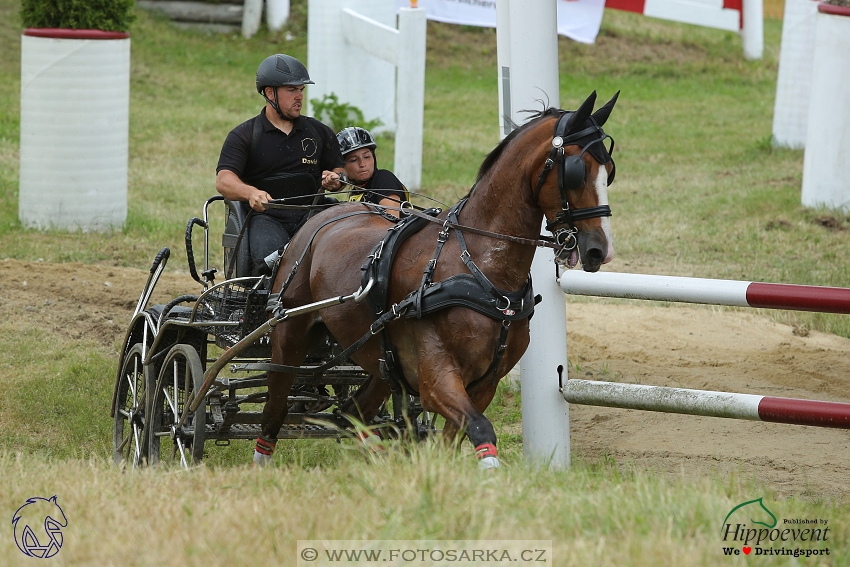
62	33
799	297
626	5
805	412
833	9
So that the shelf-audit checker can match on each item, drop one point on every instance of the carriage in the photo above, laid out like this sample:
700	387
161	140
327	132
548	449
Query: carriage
175	354
445	325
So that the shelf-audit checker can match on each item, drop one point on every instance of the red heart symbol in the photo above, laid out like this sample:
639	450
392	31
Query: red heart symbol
747	550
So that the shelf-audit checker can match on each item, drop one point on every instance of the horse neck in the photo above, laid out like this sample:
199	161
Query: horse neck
502	202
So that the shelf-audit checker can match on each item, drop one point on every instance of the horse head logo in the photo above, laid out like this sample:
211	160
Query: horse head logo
755	510
38	527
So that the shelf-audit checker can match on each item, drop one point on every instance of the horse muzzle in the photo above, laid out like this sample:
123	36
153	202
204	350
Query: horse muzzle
594	250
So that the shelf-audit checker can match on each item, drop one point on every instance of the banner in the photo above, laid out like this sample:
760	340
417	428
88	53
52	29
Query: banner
578	20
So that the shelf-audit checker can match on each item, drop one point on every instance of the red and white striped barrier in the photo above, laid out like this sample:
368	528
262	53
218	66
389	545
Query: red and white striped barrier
720	14
712	404
708	291
745	16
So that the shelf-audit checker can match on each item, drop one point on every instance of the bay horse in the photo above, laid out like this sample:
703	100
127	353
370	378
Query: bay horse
444	355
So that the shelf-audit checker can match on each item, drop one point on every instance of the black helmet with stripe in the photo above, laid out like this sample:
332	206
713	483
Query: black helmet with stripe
280	70
354	138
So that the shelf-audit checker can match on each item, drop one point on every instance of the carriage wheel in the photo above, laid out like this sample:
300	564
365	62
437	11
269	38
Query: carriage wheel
171	442
128	434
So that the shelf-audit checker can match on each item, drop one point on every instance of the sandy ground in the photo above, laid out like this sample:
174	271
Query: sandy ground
680	346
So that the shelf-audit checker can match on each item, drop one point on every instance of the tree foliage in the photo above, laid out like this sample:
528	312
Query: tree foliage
106	15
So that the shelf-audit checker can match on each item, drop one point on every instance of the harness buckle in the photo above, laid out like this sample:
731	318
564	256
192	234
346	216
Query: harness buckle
378	250
506	310
465	256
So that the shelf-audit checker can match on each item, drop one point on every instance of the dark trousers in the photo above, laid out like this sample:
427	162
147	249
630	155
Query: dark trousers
267	234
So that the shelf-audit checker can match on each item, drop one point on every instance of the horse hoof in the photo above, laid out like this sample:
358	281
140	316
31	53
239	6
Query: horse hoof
370	440
487	463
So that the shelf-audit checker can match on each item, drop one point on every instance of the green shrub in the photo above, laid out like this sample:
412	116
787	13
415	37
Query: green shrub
339	115
106	15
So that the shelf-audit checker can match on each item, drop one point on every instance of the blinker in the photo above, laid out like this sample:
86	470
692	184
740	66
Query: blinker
573	172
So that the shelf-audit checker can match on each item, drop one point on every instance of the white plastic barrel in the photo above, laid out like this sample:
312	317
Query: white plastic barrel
75	102
826	166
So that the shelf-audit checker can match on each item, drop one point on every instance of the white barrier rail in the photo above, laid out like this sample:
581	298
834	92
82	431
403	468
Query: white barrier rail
707	291
707	403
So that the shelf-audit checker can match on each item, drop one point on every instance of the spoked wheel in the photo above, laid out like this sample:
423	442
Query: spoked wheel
171	442
128	434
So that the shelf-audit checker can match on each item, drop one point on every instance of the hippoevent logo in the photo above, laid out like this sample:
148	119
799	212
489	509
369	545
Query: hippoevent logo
38	527
755	530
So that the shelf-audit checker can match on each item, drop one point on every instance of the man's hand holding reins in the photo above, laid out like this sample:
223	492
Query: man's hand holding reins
231	187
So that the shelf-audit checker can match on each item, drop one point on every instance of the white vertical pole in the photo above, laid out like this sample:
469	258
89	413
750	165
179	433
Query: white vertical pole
410	101
503	65
826	164
353	74
252	15
531	82
794	79
753	30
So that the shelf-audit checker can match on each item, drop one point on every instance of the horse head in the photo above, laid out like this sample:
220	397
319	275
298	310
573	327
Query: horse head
575	197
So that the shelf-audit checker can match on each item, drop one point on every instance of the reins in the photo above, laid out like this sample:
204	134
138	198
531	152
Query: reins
544	241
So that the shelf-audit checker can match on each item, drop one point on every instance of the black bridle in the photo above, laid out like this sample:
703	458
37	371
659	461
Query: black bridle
572	175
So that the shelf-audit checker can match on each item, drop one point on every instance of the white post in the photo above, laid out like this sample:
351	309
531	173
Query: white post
826	165
503	65
355	75
528	74
277	14
753	30
252	15
794	79
410	100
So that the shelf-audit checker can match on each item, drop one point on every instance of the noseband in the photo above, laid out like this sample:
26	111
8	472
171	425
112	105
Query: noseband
571	176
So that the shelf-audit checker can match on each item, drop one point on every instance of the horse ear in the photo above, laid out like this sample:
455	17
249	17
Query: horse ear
581	115
601	115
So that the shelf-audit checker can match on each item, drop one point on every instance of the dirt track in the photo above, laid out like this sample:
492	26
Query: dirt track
691	347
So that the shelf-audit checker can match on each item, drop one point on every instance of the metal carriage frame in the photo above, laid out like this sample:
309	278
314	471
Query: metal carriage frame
169	398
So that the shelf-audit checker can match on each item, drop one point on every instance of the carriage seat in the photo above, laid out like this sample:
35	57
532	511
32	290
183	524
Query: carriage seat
235	214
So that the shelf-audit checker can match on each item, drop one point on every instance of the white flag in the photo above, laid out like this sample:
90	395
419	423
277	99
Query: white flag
578	20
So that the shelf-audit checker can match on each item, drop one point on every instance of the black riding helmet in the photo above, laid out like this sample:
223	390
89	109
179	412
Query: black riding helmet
280	70
354	138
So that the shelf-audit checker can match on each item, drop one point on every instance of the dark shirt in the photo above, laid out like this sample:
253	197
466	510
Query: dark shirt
382	184
296	152
311	147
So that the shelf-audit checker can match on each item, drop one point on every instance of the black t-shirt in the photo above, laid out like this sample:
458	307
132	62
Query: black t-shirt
383	184
296	152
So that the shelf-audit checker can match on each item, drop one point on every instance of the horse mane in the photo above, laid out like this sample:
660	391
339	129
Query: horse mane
497	151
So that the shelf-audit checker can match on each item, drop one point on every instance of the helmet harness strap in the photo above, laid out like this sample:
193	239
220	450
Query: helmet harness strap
275	104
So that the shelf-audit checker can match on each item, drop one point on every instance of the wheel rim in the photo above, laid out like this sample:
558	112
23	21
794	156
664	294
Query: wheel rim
129	426
173	443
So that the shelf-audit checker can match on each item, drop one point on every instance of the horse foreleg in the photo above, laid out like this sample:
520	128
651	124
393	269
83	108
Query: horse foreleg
448	397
